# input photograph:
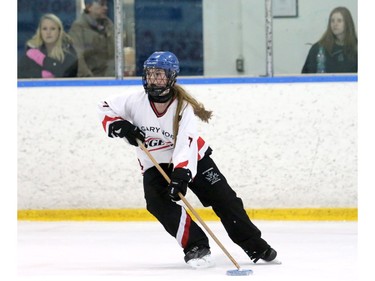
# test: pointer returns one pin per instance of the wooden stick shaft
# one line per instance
(188, 205)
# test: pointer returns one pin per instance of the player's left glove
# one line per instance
(179, 181)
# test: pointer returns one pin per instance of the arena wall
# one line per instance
(281, 146)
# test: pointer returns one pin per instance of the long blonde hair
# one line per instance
(199, 109)
(62, 41)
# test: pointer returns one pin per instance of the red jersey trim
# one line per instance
(161, 113)
(185, 236)
(182, 164)
(200, 143)
(109, 119)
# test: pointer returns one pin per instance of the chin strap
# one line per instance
(157, 98)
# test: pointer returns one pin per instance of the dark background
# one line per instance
(160, 25)
(172, 25)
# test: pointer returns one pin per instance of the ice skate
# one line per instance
(199, 257)
(268, 255)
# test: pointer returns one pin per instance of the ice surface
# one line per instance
(144, 251)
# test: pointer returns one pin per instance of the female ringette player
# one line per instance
(164, 118)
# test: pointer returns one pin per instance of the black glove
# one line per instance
(179, 181)
(125, 129)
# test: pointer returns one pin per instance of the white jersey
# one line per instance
(158, 127)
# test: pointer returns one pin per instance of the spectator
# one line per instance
(93, 35)
(339, 44)
(49, 53)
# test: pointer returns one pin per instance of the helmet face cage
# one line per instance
(156, 85)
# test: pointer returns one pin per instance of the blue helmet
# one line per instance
(164, 60)
(171, 66)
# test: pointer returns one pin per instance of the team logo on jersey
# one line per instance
(153, 144)
(211, 176)
(156, 130)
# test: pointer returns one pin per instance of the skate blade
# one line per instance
(273, 262)
(204, 262)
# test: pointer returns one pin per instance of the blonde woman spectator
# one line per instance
(49, 53)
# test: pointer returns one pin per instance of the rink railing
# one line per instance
(188, 80)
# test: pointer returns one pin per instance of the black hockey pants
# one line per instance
(212, 189)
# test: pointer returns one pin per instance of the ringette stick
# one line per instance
(229, 272)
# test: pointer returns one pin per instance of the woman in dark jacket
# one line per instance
(339, 44)
(49, 53)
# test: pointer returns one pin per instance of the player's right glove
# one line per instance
(125, 129)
